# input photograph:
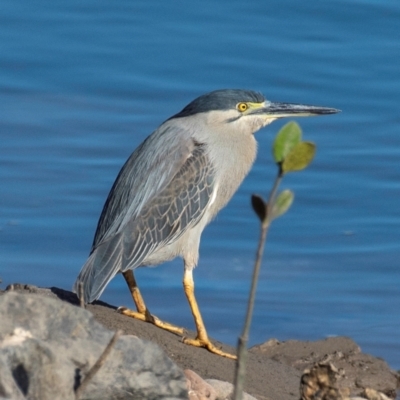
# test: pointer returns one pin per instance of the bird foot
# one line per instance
(206, 343)
(152, 319)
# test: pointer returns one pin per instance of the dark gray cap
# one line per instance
(224, 99)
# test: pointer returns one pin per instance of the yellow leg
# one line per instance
(142, 312)
(202, 339)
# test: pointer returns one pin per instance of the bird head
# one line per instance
(246, 110)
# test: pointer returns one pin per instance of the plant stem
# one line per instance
(81, 297)
(97, 365)
(240, 372)
(272, 195)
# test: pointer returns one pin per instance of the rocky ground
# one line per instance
(274, 368)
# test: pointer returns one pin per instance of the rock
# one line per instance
(198, 388)
(319, 382)
(224, 390)
(47, 347)
(372, 394)
(358, 370)
(31, 369)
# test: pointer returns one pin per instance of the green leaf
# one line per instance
(259, 206)
(282, 203)
(285, 140)
(299, 157)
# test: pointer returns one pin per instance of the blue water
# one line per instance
(83, 83)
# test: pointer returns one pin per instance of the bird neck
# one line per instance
(232, 157)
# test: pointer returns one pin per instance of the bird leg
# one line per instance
(143, 312)
(202, 339)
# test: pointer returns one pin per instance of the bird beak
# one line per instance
(281, 110)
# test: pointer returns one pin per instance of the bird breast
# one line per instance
(232, 161)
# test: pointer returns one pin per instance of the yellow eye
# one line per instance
(242, 107)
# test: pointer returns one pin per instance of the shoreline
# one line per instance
(274, 368)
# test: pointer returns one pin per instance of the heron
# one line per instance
(171, 187)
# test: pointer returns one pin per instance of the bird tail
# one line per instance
(101, 266)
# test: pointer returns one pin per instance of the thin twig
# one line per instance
(240, 372)
(81, 296)
(97, 365)
(272, 195)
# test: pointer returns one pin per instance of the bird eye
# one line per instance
(242, 107)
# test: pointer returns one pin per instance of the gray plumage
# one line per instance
(150, 208)
(176, 181)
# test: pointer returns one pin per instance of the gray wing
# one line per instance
(174, 206)
(148, 170)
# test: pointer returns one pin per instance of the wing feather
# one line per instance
(148, 170)
(133, 225)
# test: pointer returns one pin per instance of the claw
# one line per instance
(148, 317)
(206, 343)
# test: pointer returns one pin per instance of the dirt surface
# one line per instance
(274, 368)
